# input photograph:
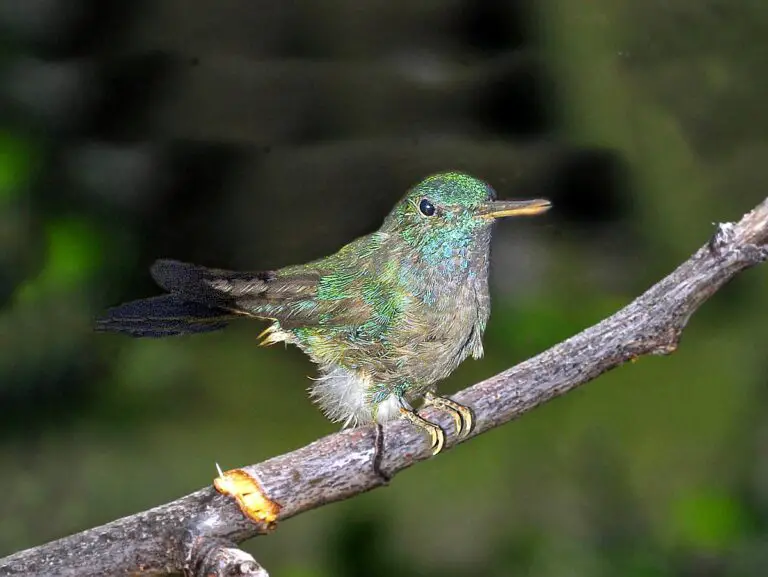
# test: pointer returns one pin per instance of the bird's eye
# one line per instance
(426, 208)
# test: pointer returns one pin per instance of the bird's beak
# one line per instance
(502, 208)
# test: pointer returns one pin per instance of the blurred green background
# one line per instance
(253, 134)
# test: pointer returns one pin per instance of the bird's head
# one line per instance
(446, 214)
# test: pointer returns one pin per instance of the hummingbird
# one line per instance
(385, 318)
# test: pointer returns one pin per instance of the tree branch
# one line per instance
(197, 533)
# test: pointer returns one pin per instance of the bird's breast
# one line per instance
(441, 331)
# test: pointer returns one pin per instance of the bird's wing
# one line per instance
(289, 296)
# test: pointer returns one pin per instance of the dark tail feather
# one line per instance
(162, 316)
(192, 281)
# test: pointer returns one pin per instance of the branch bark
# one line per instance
(197, 534)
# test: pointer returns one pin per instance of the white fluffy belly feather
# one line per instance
(344, 397)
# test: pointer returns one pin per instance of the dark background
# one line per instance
(255, 133)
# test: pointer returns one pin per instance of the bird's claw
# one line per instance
(462, 416)
(462, 419)
(378, 454)
(436, 434)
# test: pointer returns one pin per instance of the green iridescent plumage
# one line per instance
(385, 318)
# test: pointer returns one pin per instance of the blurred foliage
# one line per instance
(15, 165)
(254, 134)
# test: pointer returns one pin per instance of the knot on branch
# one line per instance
(729, 242)
(217, 557)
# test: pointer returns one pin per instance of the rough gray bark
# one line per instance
(197, 534)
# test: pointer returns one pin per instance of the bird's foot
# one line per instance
(462, 416)
(436, 434)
